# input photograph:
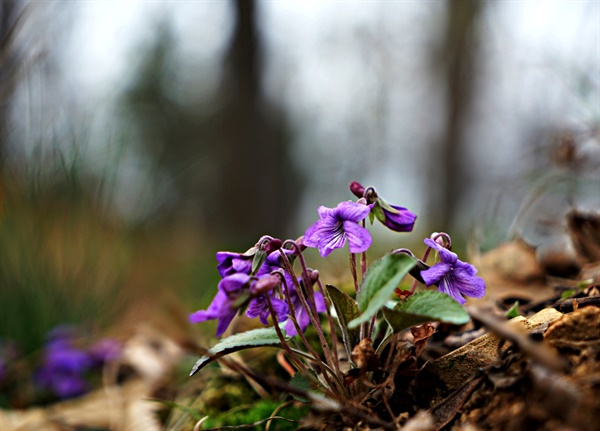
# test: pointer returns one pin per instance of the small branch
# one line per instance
(568, 305)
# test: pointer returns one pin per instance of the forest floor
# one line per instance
(538, 370)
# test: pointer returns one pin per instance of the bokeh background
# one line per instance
(137, 138)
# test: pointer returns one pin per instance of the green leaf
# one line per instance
(424, 307)
(378, 212)
(246, 340)
(568, 293)
(513, 311)
(346, 310)
(259, 258)
(379, 283)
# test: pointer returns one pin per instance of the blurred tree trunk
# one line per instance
(257, 183)
(228, 162)
(450, 165)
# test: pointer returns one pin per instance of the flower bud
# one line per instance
(314, 276)
(265, 284)
(357, 189)
(272, 245)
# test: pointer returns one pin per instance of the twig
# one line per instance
(568, 305)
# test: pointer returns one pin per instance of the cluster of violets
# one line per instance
(66, 368)
(262, 280)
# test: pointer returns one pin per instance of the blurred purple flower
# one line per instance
(338, 225)
(301, 313)
(226, 303)
(453, 276)
(105, 350)
(64, 369)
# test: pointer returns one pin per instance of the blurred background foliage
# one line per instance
(138, 138)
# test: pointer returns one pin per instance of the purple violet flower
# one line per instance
(230, 263)
(226, 303)
(453, 276)
(259, 307)
(398, 220)
(394, 217)
(301, 314)
(63, 369)
(338, 225)
(273, 262)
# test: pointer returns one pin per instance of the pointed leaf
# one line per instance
(379, 283)
(346, 310)
(424, 307)
(246, 340)
(378, 212)
(258, 259)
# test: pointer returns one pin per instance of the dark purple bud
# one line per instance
(272, 245)
(357, 189)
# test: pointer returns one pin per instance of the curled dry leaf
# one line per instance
(363, 355)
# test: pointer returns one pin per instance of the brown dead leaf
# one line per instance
(421, 334)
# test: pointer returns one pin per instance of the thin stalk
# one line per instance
(334, 339)
(300, 333)
(307, 282)
(363, 257)
(297, 362)
(310, 358)
(353, 271)
(316, 324)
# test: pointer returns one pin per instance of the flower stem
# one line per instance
(363, 258)
(297, 362)
(307, 282)
(353, 271)
(316, 324)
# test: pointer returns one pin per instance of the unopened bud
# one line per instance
(357, 189)
(314, 276)
(272, 245)
(265, 284)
